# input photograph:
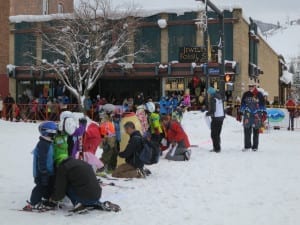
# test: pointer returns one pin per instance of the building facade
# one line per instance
(4, 43)
(40, 7)
(180, 56)
(7, 42)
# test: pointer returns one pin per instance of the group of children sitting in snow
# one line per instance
(65, 162)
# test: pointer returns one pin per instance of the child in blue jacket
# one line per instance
(43, 168)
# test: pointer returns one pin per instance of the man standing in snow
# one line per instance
(254, 110)
(216, 111)
(291, 107)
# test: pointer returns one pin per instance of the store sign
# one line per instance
(197, 54)
(213, 71)
(42, 82)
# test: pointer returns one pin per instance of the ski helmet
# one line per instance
(66, 114)
(48, 129)
(150, 107)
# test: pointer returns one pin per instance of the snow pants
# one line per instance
(41, 191)
(181, 153)
(126, 171)
(75, 199)
(216, 129)
(110, 153)
(291, 121)
(248, 133)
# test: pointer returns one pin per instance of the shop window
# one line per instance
(174, 85)
(45, 7)
(60, 8)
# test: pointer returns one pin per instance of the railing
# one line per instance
(39, 112)
(36, 112)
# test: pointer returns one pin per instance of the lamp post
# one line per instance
(221, 46)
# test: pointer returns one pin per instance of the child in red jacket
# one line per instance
(178, 140)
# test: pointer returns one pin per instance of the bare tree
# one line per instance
(83, 44)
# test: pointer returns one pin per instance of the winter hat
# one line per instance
(211, 91)
(252, 83)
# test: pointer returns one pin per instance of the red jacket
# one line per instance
(175, 133)
(291, 106)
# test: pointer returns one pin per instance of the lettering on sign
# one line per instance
(197, 54)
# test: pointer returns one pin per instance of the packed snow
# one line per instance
(231, 188)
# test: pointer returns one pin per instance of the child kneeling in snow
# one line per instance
(43, 168)
(178, 139)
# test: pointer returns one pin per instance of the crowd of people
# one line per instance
(131, 136)
(65, 161)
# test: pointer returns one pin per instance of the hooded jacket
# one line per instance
(132, 150)
(175, 133)
(78, 176)
(216, 107)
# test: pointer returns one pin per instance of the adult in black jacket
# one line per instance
(216, 111)
(77, 180)
(134, 166)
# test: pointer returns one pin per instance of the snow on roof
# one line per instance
(39, 18)
(146, 8)
(287, 77)
(149, 8)
(285, 41)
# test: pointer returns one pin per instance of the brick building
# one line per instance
(40, 7)
(165, 69)
(24, 7)
(4, 43)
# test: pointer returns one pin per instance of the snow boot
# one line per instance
(79, 208)
(107, 206)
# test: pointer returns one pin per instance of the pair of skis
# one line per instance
(102, 206)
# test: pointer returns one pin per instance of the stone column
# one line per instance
(164, 42)
(240, 52)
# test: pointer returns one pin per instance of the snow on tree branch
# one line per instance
(77, 49)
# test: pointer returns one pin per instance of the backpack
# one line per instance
(150, 152)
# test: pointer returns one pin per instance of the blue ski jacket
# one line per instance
(43, 163)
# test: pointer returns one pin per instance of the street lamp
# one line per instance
(221, 44)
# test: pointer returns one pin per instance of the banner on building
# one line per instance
(280, 118)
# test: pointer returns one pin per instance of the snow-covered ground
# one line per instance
(231, 188)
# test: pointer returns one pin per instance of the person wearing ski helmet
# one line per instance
(154, 122)
(43, 167)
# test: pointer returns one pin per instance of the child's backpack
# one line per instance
(150, 152)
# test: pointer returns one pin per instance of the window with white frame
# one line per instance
(45, 7)
(60, 8)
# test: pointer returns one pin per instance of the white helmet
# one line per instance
(67, 123)
(109, 108)
(66, 114)
(150, 107)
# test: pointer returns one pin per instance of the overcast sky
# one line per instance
(266, 10)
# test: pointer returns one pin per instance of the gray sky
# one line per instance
(268, 10)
